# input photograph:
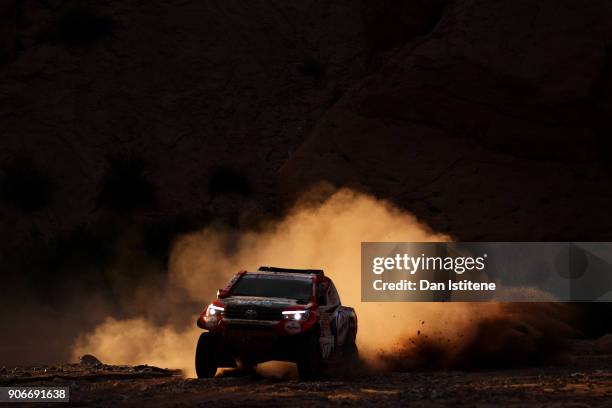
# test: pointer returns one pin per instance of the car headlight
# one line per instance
(296, 315)
(214, 310)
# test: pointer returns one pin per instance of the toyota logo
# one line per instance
(251, 314)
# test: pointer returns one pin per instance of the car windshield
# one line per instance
(273, 286)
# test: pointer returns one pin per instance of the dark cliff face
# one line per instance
(488, 120)
(178, 106)
(494, 125)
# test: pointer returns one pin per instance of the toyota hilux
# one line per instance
(278, 314)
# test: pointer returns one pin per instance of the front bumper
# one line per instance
(257, 340)
(257, 343)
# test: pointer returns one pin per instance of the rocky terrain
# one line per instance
(583, 381)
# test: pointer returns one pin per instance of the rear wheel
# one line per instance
(309, 359)
(350, 350)
(205, 361)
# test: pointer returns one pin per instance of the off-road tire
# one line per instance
(309, 358)
(205, 361)
(350, 353)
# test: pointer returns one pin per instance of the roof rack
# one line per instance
(287, 270)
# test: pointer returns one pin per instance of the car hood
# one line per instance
(260, 301)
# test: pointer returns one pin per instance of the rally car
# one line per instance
(276, 314)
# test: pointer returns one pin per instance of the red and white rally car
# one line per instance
(276, 314)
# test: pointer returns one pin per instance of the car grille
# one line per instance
(241, 328)
(252, 312)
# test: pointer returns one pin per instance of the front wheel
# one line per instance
(309, 359)
(205, 361)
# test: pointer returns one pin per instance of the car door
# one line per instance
(327, 310)
(340, 319)
(333, 323)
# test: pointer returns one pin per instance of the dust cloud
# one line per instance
(133, 341)
(326, 235)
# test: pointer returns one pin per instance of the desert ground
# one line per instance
(583, 378)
